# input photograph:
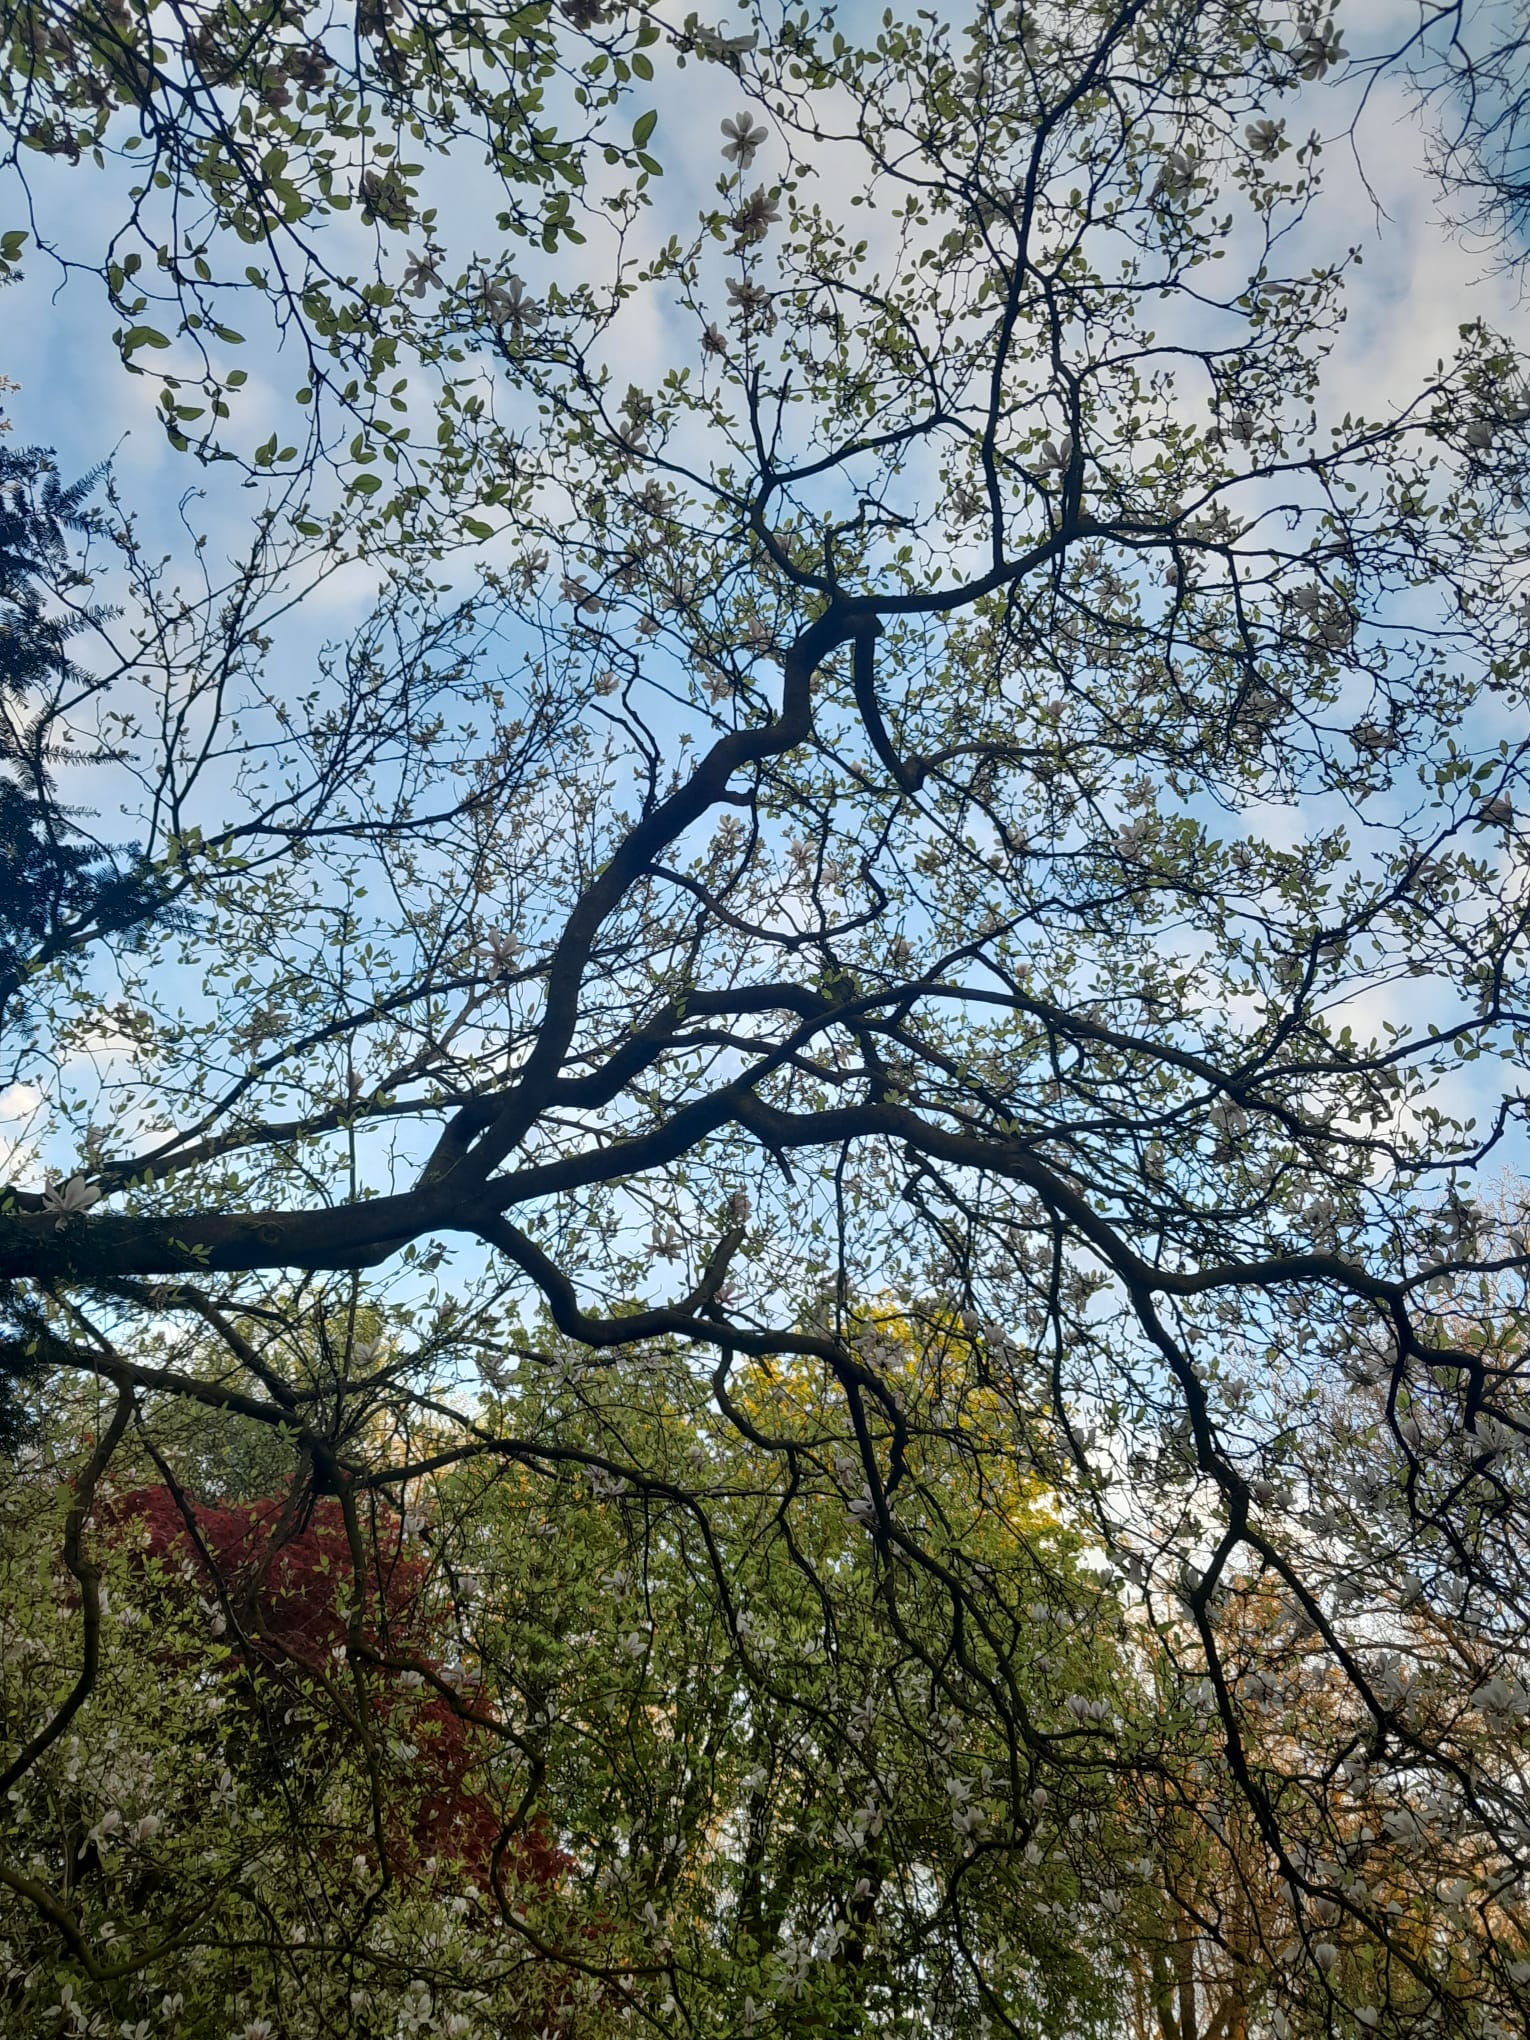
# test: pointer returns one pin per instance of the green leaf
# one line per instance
(643, 127)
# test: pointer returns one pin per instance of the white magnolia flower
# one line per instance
(70, 1199)
(867, 1820)
(69, 2008)
(1336, 626)
(757, 215)
(666, 1243)
(1317, 49)
(744, 139)
(1325, 1955)
(265, 1022)
(1264, 138)
(1478, 434)
(712, 42)
(105, 1827)
(422, 272)
(1217, 527)
(500, 949)
(1056, 455)
(1393, 1683)
(654, 500)
(1499, 810)
(1492, 1435)
(1176, 174)
(1228, 1117)
(585, 601)
(506, 304)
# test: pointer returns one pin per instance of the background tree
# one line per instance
(539, 1732)
(921, 800)
(57, 885)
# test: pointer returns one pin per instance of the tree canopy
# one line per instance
(917, 865)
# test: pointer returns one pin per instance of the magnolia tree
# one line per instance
(917, 780)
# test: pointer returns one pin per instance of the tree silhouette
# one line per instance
(964, 800)
(56, 884)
